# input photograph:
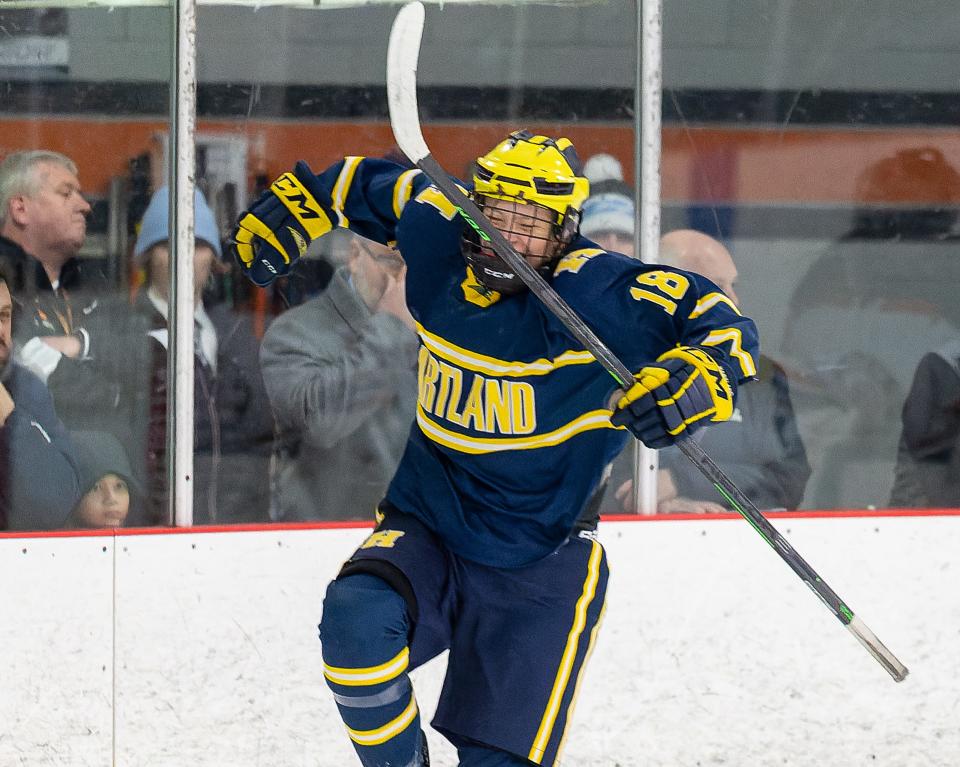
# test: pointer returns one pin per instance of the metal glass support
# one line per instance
(647, 123)
(181, 175)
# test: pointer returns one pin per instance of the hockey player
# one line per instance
(480, 547)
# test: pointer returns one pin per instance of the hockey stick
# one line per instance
(402, 56)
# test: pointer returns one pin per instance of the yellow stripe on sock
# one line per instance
(357, 677)
(389, 730)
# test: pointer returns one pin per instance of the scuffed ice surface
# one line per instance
(713, 653)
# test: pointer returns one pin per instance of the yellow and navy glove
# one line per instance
(274, 233)
(678, 395)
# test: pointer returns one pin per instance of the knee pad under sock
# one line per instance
(365, 658)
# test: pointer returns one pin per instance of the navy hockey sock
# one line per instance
(365, 658)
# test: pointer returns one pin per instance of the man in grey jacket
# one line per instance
(340, 371)
(759, 447)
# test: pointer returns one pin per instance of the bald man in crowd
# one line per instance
(759, 447)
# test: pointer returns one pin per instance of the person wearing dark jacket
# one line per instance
(38, 472)
(927, 472)
(67, 328)
(233, 424)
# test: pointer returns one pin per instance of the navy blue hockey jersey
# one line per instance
(513, 425)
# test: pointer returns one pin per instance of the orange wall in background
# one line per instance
(700, 164)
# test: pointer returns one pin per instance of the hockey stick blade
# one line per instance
(403, 51)
(402, 57)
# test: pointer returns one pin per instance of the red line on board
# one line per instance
(358, 524)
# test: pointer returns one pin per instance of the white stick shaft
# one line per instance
(402, 55)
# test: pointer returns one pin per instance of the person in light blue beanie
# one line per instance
(154, 225)
(233, 424)
(608, 219)
(152, 248)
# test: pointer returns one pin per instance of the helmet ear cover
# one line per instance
(570, 227)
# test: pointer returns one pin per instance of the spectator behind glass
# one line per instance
(759, 447)
(341, 374)
(38, 472)
(609, 214)
(233, 427)
(67, 330)
(927, 472)
(110, 491)
(868, 308)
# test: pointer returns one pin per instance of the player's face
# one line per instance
(106, 504)
(57, 213)
(528, 228)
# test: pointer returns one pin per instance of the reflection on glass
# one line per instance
(822, 176)
(808, 152)
(74, 178)
(342, 386)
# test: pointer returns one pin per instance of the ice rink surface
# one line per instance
(712, 653)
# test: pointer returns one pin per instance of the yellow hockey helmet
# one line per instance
(534, 169)
(525, 169)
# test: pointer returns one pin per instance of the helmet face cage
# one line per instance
(532, 174)
(541, 252)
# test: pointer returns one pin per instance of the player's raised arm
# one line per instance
(694, 383)
(365, 195)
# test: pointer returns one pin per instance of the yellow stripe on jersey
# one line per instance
(573, 262)
(464, 443)
(342, 187)
(734, 337)
(438, 200)
(576, 689)
(359, 677)
(562, 678)
(402, 189)
(481, 363)
(709, 301)
(389, 730)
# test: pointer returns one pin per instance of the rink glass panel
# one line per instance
(314, 88)
(820, 146)
(777, 122)
(92, 84)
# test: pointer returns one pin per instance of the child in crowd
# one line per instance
(106, 481)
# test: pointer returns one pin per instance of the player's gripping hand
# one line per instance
(684, 390)
(274, 233)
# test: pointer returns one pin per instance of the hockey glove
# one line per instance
(678, 395)
(274, 233)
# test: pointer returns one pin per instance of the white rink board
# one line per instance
(712, 652)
